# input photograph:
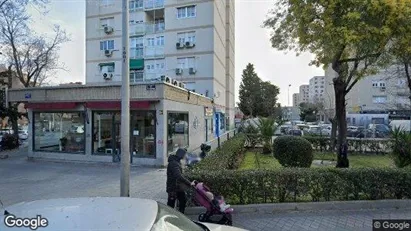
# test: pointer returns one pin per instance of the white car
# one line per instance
(100, 213)
(23, 134)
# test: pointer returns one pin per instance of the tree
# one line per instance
(308, 112)
(250, 92)
(31, 56)
(350, 35)
(269, 93)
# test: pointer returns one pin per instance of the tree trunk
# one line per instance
(339, 89)
(333, 134)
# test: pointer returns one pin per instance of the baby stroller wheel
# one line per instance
(229, 220)
(202, 217)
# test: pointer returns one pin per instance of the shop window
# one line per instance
(59, 132)
(177, 127)
(107, 133)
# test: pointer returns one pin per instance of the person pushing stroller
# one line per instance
(177, 184)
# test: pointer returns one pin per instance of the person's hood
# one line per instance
(172, 158)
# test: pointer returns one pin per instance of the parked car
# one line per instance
(295, 132)
(106, 213)
(379, 130)
(313, 130)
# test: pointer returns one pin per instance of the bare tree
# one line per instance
(33, 57)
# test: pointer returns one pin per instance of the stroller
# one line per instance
(223, 213)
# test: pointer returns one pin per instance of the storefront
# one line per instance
(83, 123)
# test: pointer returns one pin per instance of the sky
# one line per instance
(252, 45)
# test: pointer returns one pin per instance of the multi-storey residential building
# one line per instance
(380, 93)
(191, 42)
(295, 99)
(303, 94)
(316, 89)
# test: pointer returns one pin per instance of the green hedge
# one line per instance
(367, 145)
(302, 184)
(228, 156)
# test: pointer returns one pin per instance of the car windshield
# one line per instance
(169, 219)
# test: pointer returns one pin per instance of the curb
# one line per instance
(313, 206)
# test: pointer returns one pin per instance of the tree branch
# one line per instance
(359, 58)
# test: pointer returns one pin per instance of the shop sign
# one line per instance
(208, 112)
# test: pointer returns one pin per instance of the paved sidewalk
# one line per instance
(22, 180)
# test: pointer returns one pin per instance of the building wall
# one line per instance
(303, 93)
(316, 89)
(295, 99)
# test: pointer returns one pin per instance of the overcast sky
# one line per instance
(252, 45)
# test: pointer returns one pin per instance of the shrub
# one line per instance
(252, 136)
(307, 184)
(228, 156)
(9, 141)
(401, 148)
(267, 127)
(293, 151)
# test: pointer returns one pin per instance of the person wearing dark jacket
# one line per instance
(176, 182)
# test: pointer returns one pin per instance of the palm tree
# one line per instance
(267, 127)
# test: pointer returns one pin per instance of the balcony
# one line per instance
(136, 53)
(153, 76)
(152, 28)
(154, 52)
(137, 29)
(153, 4)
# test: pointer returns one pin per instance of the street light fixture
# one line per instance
(289, 85)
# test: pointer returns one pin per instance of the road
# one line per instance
(21, 180)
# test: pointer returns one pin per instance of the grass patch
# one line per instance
(356, 161)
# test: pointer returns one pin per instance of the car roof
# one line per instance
(92, 213)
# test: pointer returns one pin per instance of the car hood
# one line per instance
(214, 227)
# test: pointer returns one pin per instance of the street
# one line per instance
(23, 180)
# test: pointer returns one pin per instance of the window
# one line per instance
(136, 76)
(150, 42)
(159, 25)
(136, 47)
(186, 12)
(185, 63)
(382, 84)
(379, 99)
(136, 4)
(157, 66)
(107, 45)
(105, 3)
(107, 130)
(186, 37)
(107, 68)
(107, 22)
(177, 127)
(160, 41)
(59, 132)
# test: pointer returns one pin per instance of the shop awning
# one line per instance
(117, 104)
(56, 105)
(136, 64)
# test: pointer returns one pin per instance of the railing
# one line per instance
(138, 29)
(154, 52)
(136, 53)
(152, 28)
(153, 4)
(153, 76)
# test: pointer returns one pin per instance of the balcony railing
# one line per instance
(152, 28)
(154, 52)
(138, 29)
(153, 4)
(156, 76)
(136, 53)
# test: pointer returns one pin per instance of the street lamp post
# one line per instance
(288, 94)
(125, 107)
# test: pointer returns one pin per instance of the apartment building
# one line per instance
(303, 94)
(189, 43)
(316, 89)
(295, 99)
(384, 92)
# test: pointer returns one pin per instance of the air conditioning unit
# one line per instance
(108, 53)
(175, 82)
(190, 44)
(179, 71)
(108, 76)
(182, 85)
(192, 71)
(163, 78)
(108, 29)
(179, 45)
(382, 88)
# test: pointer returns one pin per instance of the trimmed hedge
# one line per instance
(304, 184)
(228, 156)
(293, 151)
(364, 145)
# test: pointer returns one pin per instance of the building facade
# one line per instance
(304, 93)
(295, 99)
(189, 42)
(316, 89)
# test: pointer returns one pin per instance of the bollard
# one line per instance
(218, 140)
(228, 135)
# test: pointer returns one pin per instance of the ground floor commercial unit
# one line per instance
(83, 123)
